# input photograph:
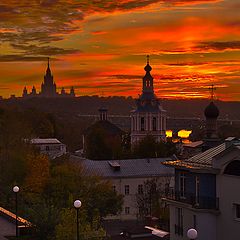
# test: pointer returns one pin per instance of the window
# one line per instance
(233, 168)
(194, 221)
(179, 222)
(182, 185)
(126, 189)
(167, 188)
(140, 189)
(127, 210)
(197, 190)
(114, 188)
(154, 124)
(142, 124)
(47, 148)
(237, 211)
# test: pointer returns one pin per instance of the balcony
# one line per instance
(200, 202)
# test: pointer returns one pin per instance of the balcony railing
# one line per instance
(200, 202)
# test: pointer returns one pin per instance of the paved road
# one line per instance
(6, 228)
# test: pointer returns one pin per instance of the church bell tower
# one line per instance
(148, 118)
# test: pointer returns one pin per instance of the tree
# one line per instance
(66, 229)
(149, 200)
(148, 147)
(38, 172)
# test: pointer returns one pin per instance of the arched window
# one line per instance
(154, 124)
(233, 168)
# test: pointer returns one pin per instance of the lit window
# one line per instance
(126, 189)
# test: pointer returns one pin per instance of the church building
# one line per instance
(148, 118)
(48, 88)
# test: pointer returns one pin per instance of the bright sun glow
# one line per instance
(184, 133)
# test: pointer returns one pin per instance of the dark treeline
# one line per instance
(49, 188)
(123, 105)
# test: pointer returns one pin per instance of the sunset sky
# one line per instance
(100, 46)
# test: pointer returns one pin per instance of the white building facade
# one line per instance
(51, 147)
(128, 178)
(206, 195)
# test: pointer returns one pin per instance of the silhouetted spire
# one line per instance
(148, 79)
(48, 72)
(25, 93)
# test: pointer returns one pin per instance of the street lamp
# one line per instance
(77, 204)
(16, 190)
(192, 233)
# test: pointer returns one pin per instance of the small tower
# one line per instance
(103, 114)
(63, 92)
(34, 92)
(25, 92)
(72, 92)
(211, 113)
(148, 118)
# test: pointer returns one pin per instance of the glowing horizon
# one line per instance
(100, 47)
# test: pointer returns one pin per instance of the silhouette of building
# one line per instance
(148, 118)
(102, 139)
(48, 88)
(211, 112)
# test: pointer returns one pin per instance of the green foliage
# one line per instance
(149, 201)
(67, 227)
(149, 148)
(48, 189)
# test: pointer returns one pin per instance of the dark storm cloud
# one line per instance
(219, 46)
(44, 50)
(47, 21)
(20, 58)
(126, 76)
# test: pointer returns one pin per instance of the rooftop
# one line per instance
(202, 160)
(126, 168)
(44, 141)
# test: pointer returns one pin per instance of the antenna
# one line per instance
(147, 59)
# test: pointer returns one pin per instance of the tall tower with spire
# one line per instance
(148, 118)
(48, 88)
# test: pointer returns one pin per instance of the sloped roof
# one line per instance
(128, 168)
(44, 141)
(199, 161)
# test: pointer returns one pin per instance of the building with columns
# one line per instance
(148, 118)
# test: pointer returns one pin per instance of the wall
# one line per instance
(205, 223)
(228, 192)
(130, 200)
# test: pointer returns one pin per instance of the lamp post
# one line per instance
(77, 204)
(192, 233)
(16, 190)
